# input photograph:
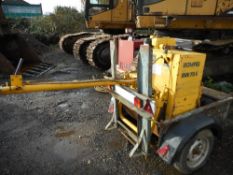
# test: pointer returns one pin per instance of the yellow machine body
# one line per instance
(193, 14)
(176, 82)
(176, 79)
(121, 16)
(191, 7)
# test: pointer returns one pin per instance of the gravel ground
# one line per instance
(63, 133)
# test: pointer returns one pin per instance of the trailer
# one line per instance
(162, 106)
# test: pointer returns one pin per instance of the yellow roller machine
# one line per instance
(165, 108)
(170, 111)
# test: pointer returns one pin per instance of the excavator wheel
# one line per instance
(83, 52)
(66, 42)
(101, 56)
(81, 46)
(6, 65)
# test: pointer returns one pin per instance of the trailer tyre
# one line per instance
(195, 153)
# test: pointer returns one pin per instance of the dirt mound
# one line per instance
(6, 66)
(38, 46)
(14, 46)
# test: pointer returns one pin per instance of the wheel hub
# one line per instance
(198, 152)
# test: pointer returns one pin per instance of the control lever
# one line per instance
(19, 66)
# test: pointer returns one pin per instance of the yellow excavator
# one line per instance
(195, 19)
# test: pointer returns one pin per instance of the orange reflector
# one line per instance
(148, 108)
(137, 102)
(163, 150)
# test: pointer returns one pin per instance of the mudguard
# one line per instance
(179, 133)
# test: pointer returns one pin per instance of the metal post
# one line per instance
(145, 70)
(114, 59)
(114, 56)
(145, 88)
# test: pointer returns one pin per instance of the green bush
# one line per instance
(49, 28)
(221, 86)
(63, 20)
(20, 24)
(42, 25)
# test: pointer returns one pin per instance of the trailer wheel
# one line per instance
(195, 153)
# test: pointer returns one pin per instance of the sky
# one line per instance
(48, 5)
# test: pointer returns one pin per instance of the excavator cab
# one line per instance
(111, 15)
(95, 7)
